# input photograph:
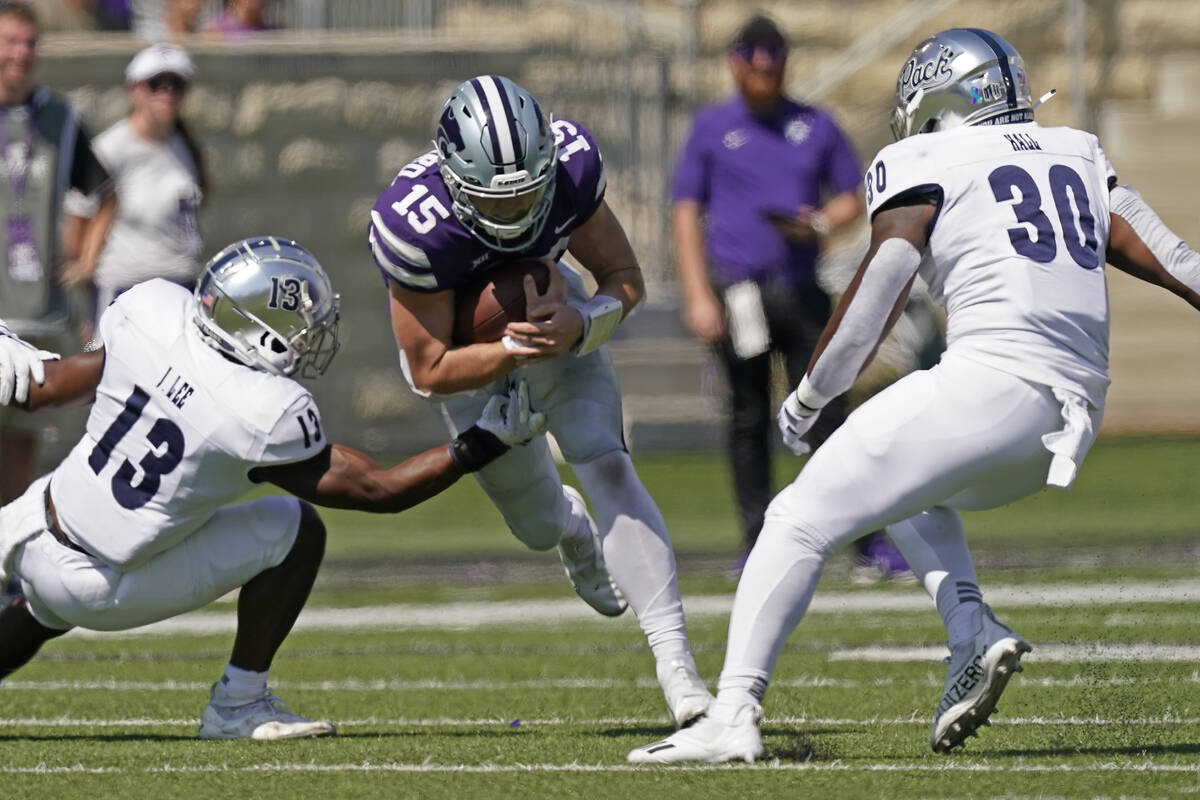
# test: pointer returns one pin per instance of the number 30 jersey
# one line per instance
(174, 431)
(1016, 254)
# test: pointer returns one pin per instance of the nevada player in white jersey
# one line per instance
(1010, 225)
(194, 405)
(507, 183)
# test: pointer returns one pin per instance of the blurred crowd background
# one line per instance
(306, 109)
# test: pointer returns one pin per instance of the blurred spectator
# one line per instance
(112, 15)
(242, 16)
(158, 170)
(761, 181)
(182, 18)
(45, 150)
(162, 20)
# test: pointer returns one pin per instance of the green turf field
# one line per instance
(470, 670)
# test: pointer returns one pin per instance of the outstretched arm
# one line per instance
(341, 477)
(1141, 244)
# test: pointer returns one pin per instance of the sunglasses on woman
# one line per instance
(167, 83)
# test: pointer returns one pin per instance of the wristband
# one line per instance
(808, 397)
(601, 316)
(475, 448)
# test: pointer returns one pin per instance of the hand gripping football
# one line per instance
(484, 306)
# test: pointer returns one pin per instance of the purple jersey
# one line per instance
(744, 168)
(419, 243)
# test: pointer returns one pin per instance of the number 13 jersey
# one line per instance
(174, 431)
(1016, 251)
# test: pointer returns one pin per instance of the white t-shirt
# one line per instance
(1016, 254)
(156, 233)
(174, 432)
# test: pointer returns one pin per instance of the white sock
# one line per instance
(638, 554)
(241, 684)
(935, 546)
(775, 590)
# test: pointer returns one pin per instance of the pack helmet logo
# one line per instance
(922, 72)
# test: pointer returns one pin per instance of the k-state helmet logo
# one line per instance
(927, 73)
(449, 135)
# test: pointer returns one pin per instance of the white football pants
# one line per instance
(958, 436)
(66, 588)
(582, 402)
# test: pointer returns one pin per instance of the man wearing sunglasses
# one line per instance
(761, 181)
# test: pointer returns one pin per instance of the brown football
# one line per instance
(484, 306)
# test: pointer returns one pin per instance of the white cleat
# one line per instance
(979, 670)
(708, 740)
(687, 696)
(264, 719)
(583, 559)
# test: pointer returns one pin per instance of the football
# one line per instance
(496, 297)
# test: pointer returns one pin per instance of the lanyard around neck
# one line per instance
(18, 178)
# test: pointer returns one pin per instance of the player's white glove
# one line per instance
(509, 418)
(795, 420)
(19, 361)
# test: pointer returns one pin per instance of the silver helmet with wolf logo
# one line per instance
(266, 302)
(498, 158)
(961, 76)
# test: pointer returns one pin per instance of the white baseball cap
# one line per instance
(157, 59)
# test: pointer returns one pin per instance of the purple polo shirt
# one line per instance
(741, 167)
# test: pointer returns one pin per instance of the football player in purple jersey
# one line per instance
(506, 183)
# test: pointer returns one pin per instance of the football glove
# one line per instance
(19, 361)
(795, 420)
(509, 418)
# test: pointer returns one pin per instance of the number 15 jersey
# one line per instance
(1016, 253)
(174, 431)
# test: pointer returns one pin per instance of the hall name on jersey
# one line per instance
(1022, 142)
(177, 390)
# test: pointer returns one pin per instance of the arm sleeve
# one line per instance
(1179, 260)
(858, 333)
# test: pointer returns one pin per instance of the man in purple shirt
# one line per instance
(761, 181)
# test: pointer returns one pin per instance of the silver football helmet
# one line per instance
(962, 76)
(267, 303)
(498, 157)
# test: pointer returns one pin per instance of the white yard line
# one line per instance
(588, 722)
(940, 766)
(571, 611)
(557, 684)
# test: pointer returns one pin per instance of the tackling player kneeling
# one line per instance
(194, 405)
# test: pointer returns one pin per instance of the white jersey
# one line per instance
(1016, 254)
(174, 432)
(156, 232)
